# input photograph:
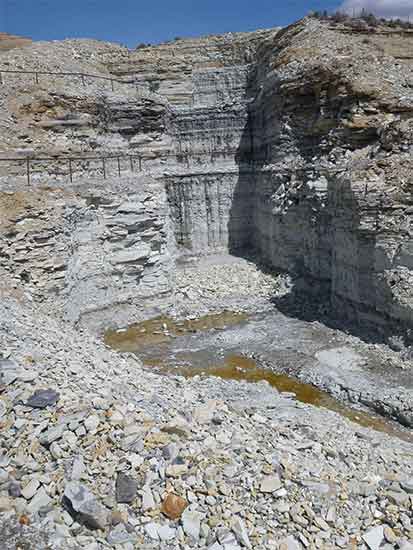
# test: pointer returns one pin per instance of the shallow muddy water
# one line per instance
(137, 337)
(182, 347)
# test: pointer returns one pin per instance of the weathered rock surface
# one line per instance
(265, 472)
(258, 127)
(94, 250)
(83, 505)
(295, 144)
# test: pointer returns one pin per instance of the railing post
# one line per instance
(1, 78)
(70, 171)
(112, 84)
(104, 168)
(83, 79)
(131, 163)
(140, 164)
(28, 170)
(119, 166)
(36, 77)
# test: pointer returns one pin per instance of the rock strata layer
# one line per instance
(294, 144)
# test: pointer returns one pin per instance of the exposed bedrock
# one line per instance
(347, 234)
(204, 212)
(309, 168)
(99, 253)
(295, 145)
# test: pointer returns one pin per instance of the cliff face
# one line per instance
(303, 156)
(294, 145)
(333, 189)
(99, 253)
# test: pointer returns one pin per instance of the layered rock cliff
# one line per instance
(99, 253)
(294, 145)
(332, 132)
(309, 167)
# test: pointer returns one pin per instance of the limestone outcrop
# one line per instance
(294, 145)
(98, 252)
(333, 198)
(309, 167)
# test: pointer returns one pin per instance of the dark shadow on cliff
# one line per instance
(241, 222)
(348, 299)
(311, 298)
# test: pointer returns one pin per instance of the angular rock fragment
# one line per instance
(126, 488)
(52, 434)
(374, 537)
(148, 502)
(41, 399)
(191, 523)
(84, 507)
(41, 500)
(241, 533)
(78, 467)
(173, 506)
(30, 489)
(269, 484)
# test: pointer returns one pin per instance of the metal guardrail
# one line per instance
(143, 92)
(134, 163)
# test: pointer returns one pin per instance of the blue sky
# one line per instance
(133, 21)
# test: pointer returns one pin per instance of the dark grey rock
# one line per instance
(126, 488)
(84, 507)
(42, 399)
(14, 489)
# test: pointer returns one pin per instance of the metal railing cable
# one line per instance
(133, 163)
(84, 77)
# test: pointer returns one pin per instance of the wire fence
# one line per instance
(85, 79)
(129, 163)
(109, 166)
(105, 165)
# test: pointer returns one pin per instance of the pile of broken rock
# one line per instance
(98, 453)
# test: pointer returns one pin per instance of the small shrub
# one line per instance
(142, 45)
(363, 20)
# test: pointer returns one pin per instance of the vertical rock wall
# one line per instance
(210, 192)
(261, 152)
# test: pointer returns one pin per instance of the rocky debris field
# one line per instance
(220, 281)
(97, 452)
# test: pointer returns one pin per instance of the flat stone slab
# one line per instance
(41, 399)
(126, 489)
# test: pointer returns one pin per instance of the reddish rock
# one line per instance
(173, 506)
